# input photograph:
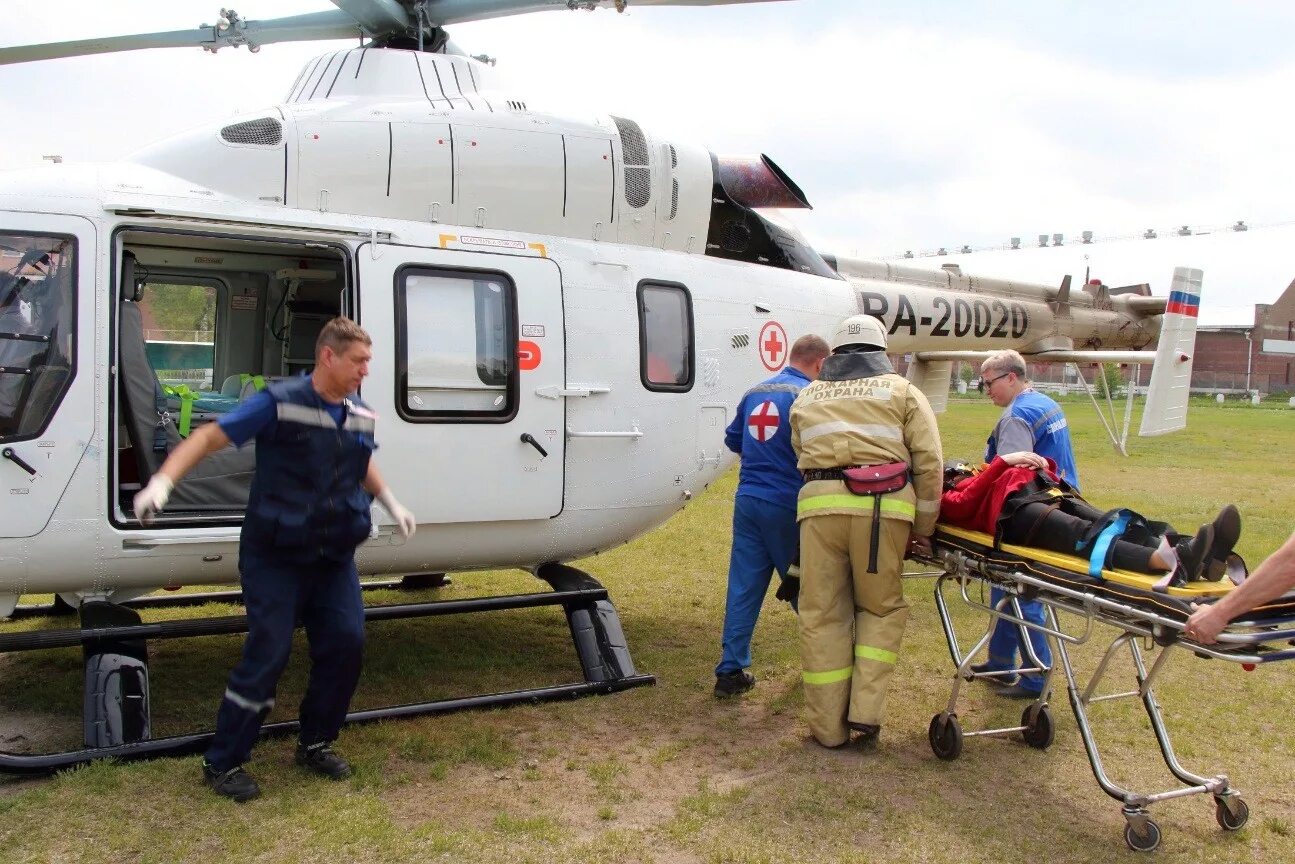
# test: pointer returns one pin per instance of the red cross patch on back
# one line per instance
(763, 422)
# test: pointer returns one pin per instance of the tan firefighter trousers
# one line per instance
(851, 621)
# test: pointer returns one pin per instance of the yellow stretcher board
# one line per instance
(1077, 565)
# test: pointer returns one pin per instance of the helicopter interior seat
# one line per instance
(222, 481)
(242, 385)
(25, 401)
(47, 381)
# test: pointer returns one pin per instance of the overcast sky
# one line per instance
(908, 124)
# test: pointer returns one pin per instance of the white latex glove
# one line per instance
(152, 498)
(405, 522)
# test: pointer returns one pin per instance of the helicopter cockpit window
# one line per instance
(665, 336)
(458, 345)
(37, 316)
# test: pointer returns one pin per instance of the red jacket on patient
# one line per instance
(976, 502)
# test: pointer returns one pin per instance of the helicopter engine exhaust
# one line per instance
(757, 181)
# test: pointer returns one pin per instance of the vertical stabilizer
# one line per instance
(1171, 374)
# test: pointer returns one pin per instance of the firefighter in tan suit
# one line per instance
(858, 413)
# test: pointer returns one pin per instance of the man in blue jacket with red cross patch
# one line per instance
(307, 512)
(765, 534)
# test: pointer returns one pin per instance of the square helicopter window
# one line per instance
(666, 345)
(37, 335)
(456, 347)
(179, 322)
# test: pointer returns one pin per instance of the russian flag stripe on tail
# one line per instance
(1171, 374)
(1183, 303)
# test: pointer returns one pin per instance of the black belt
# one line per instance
(839, 474)
(826, 473)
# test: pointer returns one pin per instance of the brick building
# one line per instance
(1258, 356)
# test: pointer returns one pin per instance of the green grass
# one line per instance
(669, 774)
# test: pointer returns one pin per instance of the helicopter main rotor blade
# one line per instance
(443, 12)
(351, 19)
(378, 16)
(334, 24)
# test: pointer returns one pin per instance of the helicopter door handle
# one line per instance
(528, 438)
(17, 460)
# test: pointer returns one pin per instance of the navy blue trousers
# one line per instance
(765, 538)
(1006, 641)
(324, 596)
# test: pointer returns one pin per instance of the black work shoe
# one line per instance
(733, 684)
(866, 734)
(1003, 678)
(1016, 691)
(321, 759)
(235, 784)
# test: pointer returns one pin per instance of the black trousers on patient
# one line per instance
(1034, 524)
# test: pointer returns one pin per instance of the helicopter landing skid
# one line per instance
(117, 716)
(60, 607)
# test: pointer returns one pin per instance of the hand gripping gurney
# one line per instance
(1122, 599)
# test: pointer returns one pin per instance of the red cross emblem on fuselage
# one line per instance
(763, 422)
(772, 345)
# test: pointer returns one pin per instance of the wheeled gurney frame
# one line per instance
(1239, 644)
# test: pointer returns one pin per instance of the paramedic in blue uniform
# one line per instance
(1031, 422)
(307, 513)
(765, 535)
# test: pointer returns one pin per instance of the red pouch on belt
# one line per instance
(876, 479)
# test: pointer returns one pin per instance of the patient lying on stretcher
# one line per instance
(1019, 499)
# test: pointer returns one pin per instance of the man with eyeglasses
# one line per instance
(1031, 422)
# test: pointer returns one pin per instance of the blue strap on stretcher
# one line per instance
(1103, 543)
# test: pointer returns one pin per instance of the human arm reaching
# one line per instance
(1271, 579)
(192, 450)
(378, 488)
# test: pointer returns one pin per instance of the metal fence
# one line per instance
(179, 336)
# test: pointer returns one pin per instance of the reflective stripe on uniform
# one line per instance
(853, 502)
(773, 388)
(305, 415)
(881, 655)
(247, 704)
(1048, 417)
(867, 430)
(356, 423)
(833, 677)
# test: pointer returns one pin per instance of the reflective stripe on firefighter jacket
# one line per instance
(874, 420)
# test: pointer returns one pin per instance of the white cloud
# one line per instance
(907, 127)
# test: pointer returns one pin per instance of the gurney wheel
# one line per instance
(945, 736)
(1226, 820)
(1039, 729)
(1142, 842)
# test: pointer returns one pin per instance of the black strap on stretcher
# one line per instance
(1098, 541)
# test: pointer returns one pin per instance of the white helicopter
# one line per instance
(564, 312)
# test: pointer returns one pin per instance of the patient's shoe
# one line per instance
(1227, 531)
(1191, 555)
